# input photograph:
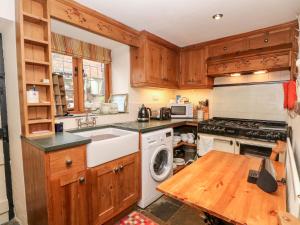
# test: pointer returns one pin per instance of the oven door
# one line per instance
(221, 143)
(254, 148)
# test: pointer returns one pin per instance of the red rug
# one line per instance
(136, 218)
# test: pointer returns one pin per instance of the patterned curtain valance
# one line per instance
(69, 46)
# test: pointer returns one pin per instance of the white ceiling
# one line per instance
(186, 22)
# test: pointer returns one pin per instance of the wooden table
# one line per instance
(217, 184)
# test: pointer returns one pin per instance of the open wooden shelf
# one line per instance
(37, 83)
(35, 62)
(39, 121)
(33, 18)
(185, 144)
(34, 57)
(39, 104)
(34, 41)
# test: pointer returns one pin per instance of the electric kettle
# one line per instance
(144, 114)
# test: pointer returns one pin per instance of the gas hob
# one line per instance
(254, 129)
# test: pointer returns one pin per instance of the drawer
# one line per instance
(68, 160)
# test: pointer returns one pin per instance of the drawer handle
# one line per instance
(81, 180)
(116, 170)
(266, 40)
(69, 162)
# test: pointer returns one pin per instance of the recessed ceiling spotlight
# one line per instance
(217, 16)
(260, 72)
(235, 74)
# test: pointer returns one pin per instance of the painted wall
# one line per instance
(7, 28)
(295, 124)
(262, 101)
(7, 10)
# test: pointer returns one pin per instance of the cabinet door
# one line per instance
(103, 196)
(269, 39)
(193, 68)
(128, 181)
(170, 67)
(228, 47)
(68, 200)
(154, 64)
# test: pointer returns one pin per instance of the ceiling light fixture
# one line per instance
(217, 16)
(260, 72)
(235, 74)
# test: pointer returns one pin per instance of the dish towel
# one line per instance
(206, 144)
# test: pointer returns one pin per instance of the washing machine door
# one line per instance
(161, 163)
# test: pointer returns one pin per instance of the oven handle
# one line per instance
(230, 141)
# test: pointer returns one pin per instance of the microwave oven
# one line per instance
(181, 110)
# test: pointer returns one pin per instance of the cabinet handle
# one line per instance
(225, 48)
(266, 40)
(116, 170)
(237, 143)
(82, 180)
(231, 142)
(121, 168)
(69, 162)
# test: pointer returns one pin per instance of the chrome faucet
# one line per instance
(89, 121)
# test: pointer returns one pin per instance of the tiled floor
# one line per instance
(166, 211)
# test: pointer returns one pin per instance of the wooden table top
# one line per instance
(217, 184)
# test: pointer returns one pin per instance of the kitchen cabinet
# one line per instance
(171, 66)
(68, 199)
(61, 190)
(193, 72)
(270, 38)
(273, 60)
(55, 185)
(227, 47)
(155, 63)
(114, 187)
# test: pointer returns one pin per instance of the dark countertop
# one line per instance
(58, 141)
(70, 139)
(152, 125)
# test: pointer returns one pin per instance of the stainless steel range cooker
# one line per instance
(244, 136)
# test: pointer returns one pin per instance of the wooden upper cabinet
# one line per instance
(193, 69)
(274, 60)
(228, 47)
(170, 67)
(154, 62)
(270, 38)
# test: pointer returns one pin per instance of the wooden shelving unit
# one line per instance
(34, 65)
(184, 144)
(59, 94)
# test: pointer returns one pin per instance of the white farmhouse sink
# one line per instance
(109, 144)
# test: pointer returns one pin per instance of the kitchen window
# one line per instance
(86, 81)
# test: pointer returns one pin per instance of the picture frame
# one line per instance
(121, 100)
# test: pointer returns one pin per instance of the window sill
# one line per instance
(90, 115)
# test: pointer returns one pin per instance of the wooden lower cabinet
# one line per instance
(68, 199)
(61, 190)
(114, 187)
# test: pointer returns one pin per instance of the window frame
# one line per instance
(78, 83)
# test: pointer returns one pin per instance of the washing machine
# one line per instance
(157, 163)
